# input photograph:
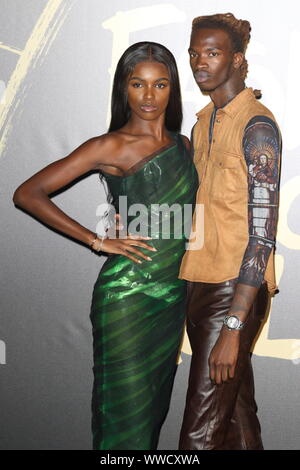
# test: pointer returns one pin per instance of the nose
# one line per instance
(148, 92)
(201, 62)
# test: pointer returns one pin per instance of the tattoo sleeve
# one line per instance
(262, 148)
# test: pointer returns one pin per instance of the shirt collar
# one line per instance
(234, 106)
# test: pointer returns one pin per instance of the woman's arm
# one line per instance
(33, 194)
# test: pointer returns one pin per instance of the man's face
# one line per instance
(211, 58)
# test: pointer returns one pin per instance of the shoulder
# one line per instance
(110, 139)
(111, 142)
(207, 110)
(101, 150)
(262, 125)
(186, 142)
(256, 108)
(98, 142)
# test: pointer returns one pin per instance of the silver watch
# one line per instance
(233, 323)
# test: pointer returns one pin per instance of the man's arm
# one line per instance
(262, 148)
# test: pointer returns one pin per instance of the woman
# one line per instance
(137, 309)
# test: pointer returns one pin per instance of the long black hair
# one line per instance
(144, 52)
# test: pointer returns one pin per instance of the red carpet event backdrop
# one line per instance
(57, 62)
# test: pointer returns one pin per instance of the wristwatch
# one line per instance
(233, 323)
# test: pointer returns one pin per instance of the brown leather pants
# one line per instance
(220, 417)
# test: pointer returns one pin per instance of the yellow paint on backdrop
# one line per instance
(36, 48)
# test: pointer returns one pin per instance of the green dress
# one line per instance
(137, 310)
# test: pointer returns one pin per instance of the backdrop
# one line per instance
(57, 60)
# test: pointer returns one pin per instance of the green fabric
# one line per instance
(137, 312)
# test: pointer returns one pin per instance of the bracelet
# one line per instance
(103, 237)
(92, 244)
(97, 238)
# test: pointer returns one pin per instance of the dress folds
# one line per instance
(138, 310)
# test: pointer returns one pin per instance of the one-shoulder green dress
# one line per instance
(138, 310)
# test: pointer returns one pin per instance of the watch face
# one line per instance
(232, 322)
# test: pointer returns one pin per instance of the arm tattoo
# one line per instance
(262, 148)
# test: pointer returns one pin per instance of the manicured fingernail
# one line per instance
(154, 249)
(148, 258)
(139, 261)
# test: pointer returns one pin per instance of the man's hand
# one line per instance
(223, 357)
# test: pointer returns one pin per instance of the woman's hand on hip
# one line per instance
(126, 247)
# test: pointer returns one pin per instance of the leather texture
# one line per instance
(220, 417)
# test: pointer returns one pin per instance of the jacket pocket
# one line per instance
(227, 179)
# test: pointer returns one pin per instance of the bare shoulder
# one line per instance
(88, 156)
(186, 142)
(103, 149)
(106, 144)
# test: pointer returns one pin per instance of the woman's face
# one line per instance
(148, 90)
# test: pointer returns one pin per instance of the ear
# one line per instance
(238, 58)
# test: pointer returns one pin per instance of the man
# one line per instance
(237, 154)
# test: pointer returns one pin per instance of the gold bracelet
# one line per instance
(102, 240)
(92, 244)
(97, 238)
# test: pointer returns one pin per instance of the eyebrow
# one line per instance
(190, 49)
(157, 80)
(215, 47)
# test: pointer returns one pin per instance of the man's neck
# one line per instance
(221, 97)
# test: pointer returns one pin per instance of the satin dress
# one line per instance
(138, 310)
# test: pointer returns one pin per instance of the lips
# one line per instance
(148, 108)
(201, 76)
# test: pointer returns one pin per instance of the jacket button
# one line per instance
(218, 121)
